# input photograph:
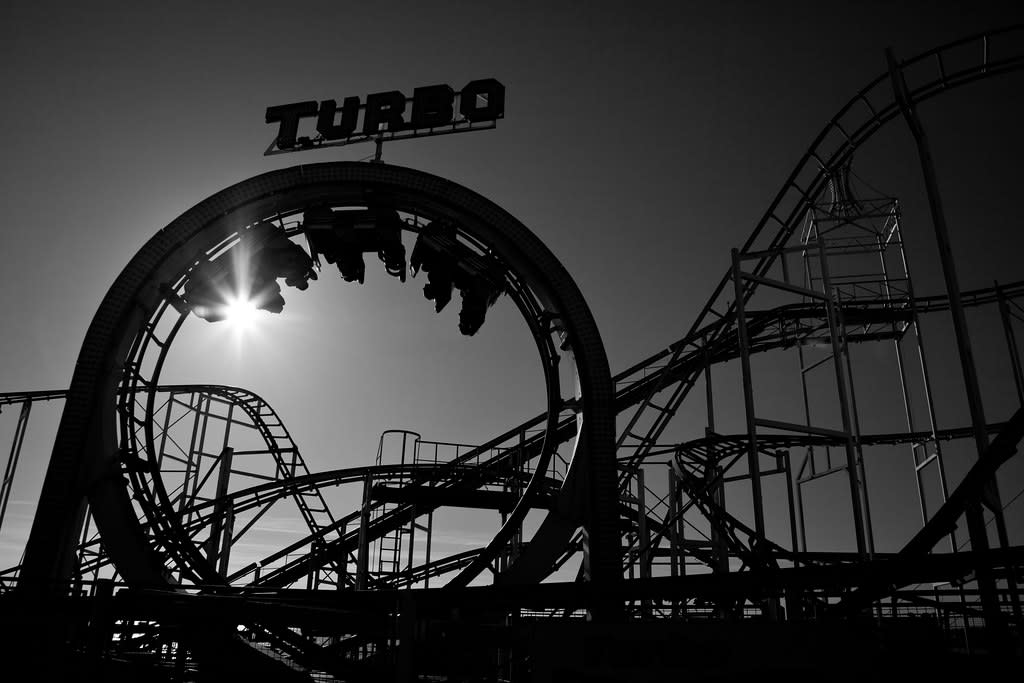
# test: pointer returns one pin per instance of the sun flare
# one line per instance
(241, 314)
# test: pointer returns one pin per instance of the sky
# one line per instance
(641, 142)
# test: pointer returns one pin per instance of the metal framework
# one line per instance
(709, 530)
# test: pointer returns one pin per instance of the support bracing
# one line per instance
(990, 495)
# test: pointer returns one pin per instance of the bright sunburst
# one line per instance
(241, 314)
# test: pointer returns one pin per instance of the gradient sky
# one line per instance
(641, 142)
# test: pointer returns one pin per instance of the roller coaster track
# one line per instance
(670, 374)
(257, 497)
(712, 336)
(773, 329)
(854, 124)
(293, 480)
(288, 462)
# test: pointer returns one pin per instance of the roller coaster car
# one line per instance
(449, 263)
(432, 255)
(342, 237)
(203, 291)
(274, 256)
(212, 284)
(250, 269)
(477, 296)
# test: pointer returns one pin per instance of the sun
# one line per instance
(242, 314)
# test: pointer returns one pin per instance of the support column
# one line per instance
(974, 514)
(753, 464)
(363, 553)
(1011, 344)
(856, 493)
(220, 508)
(224, 557)
(643, 540)
(341, 576)
(676, 537)
(12, 459)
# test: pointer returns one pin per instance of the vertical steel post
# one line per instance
(808, 460)
(363, 553)
(718, 494)
(643, 540)
(915, 324)
(197, 478)
(861, 471)
(223, 479)
(517, 537)
(430, 535)
(905, 392)
(12, 460)
(190, 463)
(220, 507)
(675, 556)
(342, 573)
(794, 599)
(503, 559)
(808, 282)
(676, 529)
(631, 565)
(974, 514)
(753, 464)
(799, 495)
(313, 577)
(679, 527)
(719, 540)
(922, 501)
(844, 406)
(790, 483)
(224, 556)
(1011, 343)
(412, 538)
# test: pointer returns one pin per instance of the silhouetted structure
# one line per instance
(676, 567)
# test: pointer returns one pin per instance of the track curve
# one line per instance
(86, 446)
